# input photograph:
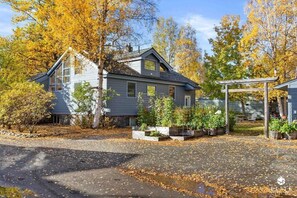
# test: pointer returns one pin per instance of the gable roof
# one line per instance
(284, 86)
(141, 54)
(120, 68)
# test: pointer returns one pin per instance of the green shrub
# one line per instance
(143, 127)
(155, 134)
(83, 97)
(287, 128)
(275, 124)
(197, 119)
(24, 105)
(182, 116)
(168, 112)
(215, 121)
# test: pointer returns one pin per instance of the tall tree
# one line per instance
(89, 25)
(188, 56)
(12, 67)
(270, 40)
(164, 38)
(41, 49)
(226, 61)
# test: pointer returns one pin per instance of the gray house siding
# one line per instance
(292, 102)
(124, 105)
(117, 78)
(144, 71)
(64, 101)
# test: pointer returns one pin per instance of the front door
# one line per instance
(187, 101)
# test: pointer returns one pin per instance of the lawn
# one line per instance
(247, 128)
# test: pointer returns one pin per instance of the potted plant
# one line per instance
(275, 126)
(213, 124)
(286, 129)
(289, 131)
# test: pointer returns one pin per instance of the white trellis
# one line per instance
(265, 81)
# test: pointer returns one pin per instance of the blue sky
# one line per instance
(201, 14)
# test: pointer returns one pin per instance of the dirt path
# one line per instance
(236, 166)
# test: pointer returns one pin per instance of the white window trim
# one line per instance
(151, 86)
(174, 91)
(127, 89)
(185, 101)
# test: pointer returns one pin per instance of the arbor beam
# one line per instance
(248, 81)
(227, 109)
(266, 111)
(244, 90)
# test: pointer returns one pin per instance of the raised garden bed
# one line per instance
(155, 138)
(166, 130)
(181, 137)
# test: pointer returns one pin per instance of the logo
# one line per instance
(281, 181)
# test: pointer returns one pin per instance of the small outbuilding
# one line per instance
(291, 88)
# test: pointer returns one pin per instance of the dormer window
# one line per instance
(150, 65)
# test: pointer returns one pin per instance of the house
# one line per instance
(291, 88)
(133, 72)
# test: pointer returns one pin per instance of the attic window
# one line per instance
(77, 66)
(150, 65)
(60, 76)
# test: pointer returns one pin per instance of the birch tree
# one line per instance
(270, 40)
(164, 38)
(188, 56)
(90, 25)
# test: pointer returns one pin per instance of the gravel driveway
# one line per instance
(88, 167)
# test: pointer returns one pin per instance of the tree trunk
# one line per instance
(101, 63)
(242, 106)
(285, 107)
(280, 106)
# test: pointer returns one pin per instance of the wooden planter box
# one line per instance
(221, 131)
(155, 138)
(139, 135)
(195, 133)
(166, 130)
(212, 132)
(275, 135)
(290, 136)
(181, 138)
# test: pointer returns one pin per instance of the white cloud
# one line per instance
(204, 27)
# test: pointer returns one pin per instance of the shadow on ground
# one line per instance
(29, 167)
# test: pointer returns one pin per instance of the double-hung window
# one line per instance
(172, 91)
(151, 90)
(131, 89)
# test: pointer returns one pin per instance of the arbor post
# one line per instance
(266, 111)
(227, 109)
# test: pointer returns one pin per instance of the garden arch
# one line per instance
(265, 81)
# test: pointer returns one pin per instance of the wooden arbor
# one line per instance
(226, 83)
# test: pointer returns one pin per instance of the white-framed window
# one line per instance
(150, 65)
(60, 76)
(187, 101)
(78, 66)
(151, 90)
(131, 89)
(171, 91)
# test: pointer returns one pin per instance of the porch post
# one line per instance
(266, 111)
(227, 109)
